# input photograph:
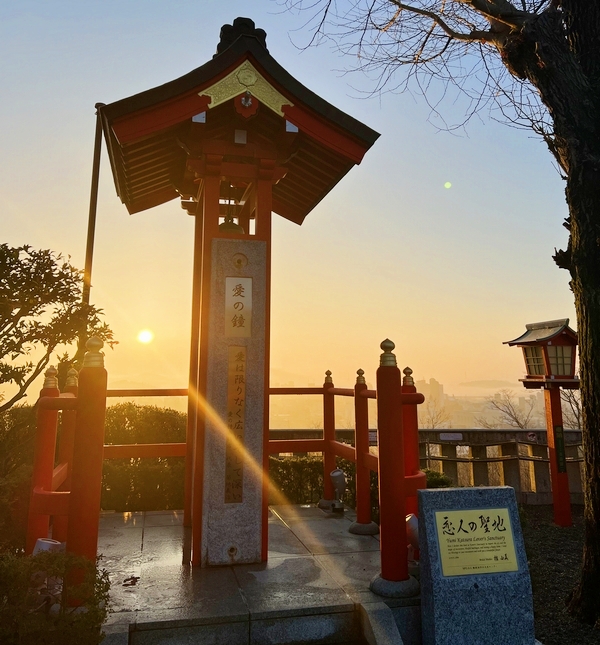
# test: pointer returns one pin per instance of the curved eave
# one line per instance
(184, 91)
(141, 132)
(542, 335)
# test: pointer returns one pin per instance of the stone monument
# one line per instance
(233, 456)
(475, 585)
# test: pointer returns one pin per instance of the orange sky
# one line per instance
(447, 273)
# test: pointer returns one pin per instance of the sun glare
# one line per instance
(145, 336)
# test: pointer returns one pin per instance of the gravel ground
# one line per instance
(554, 556)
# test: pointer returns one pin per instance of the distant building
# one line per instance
(433, 391)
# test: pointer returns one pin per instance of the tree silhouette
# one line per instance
(40, 313)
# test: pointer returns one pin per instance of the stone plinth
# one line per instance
(475, 585)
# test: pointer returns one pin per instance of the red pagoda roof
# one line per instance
(151, 135)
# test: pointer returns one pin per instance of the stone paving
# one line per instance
(316, 572)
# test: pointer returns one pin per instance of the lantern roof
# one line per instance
(149, 135)
(543, 332)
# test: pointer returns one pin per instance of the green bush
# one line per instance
(435, 479)
(295, 480)
(149, 484)
(17, 434)
(36, 600)
(158, 484)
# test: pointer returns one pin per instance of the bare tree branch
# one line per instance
(473, 36)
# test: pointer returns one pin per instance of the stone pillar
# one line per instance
(423, 459)
(495, 468)
(543, 486)
(481, 475)
(574, 470)
(512, 474)
(235, 393)
(526, 469)
(450, 468)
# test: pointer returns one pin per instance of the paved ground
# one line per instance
(315, 568)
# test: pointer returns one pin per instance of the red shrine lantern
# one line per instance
(549, 352)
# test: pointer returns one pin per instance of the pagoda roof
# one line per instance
(144, 132)
(542, 332)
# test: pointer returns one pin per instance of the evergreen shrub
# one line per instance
(36, 600)
(150, 484)
(17, 435)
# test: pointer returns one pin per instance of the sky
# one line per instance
(448, 274)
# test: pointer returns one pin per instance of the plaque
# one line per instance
(472, 542)
(451, 436)
(236, 411)
(559, 445)
(238, 307)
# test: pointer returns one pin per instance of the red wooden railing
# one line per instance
(76, 510)
(82, 450)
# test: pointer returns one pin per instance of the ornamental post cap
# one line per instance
(94, 357)
(51, 380)
(388, 358)
(328, 378)
(241, 27)
(360, 378)
(408, 379)
(72, 378)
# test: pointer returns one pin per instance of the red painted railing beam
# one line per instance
(136, 450)
(296, 445)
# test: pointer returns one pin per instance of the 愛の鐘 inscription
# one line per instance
(238, 307)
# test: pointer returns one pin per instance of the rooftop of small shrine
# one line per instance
(245, 106)
(542, 332)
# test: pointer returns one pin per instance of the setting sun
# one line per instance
(145, 336)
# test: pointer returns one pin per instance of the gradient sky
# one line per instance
(447, 274)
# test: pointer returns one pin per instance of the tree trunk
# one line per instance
(583, 197)
(546, 54)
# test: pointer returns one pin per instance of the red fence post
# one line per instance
(363, 524)
(43, 460)
(86, 481)
(328, 436)
(394, 580)
(561, 497)
(65, 453)
(410, 426)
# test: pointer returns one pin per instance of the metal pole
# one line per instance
(89, 249)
